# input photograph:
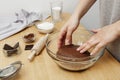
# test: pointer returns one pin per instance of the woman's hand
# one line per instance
(101, 38)
(65, 36)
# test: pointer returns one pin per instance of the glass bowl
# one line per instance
(72, 64)
(10, 72)
(9, 51)
(29, 38)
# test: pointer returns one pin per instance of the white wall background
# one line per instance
(8, 7)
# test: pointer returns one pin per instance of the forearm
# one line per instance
(82, 8)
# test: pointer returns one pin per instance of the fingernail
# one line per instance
(81, 51)
(67, 42)
(91, 54)
(77, 49)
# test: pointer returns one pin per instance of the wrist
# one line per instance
(118, 27)
(75, 17)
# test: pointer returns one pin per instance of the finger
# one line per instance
(89, 45)
(81, 47)
(97, 48)
(61, 38)
(68, 39)
(90, 41)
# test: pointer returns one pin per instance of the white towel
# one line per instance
(23, 20)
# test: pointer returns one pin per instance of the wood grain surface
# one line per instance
(44, 68)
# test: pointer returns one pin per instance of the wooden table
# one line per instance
(43, 67)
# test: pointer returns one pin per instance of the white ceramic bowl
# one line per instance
(45, 27)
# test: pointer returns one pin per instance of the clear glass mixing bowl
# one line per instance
(72, 64)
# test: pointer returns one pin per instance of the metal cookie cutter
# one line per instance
(9, 72)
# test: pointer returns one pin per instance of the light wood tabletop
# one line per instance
(44, 68)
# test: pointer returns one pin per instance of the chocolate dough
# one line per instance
(69, 51)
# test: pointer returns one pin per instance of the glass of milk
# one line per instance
(56, 10)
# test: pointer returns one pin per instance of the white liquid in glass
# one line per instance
(56, 13)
